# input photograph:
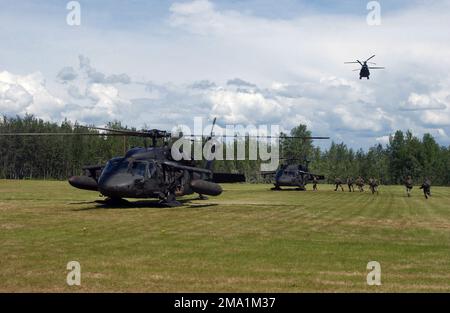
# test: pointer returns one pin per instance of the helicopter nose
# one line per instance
(118, 185)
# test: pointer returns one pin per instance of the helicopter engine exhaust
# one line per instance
(83, 182)
(205, 187)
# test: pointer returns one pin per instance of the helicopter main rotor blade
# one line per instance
(58, 134)
(376, 68)
(370, 57)
(269, 137)
(119, 131)
(352, 62)
(372, 63)
(287, 137)
(152, 133)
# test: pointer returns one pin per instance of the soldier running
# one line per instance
(360, 184)
(314, 183)
(373, 184)
(426, 186)
(408, 185)
(338, 183)
(350, 182)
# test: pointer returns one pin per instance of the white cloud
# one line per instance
(432, 109)
(437, 118)
(241, 107)
(20, 94)
(351, 120)
(419, 102)
(384, 140)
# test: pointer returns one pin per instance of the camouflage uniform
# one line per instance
(338, 183)
(360, 184)
(350, 182)
(426, 186)
(408, 185)
(373, 183)
(314, 183)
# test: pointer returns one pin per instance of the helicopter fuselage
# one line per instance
(365, 68)
(293, 176)
(147, 173)
(364, 72)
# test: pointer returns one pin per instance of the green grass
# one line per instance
(247, 239)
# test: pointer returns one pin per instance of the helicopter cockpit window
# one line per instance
(138, 168)
(112, 165)
(121, 167)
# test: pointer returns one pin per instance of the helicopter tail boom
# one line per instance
(228, 178)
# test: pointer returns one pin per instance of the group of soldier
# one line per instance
(359, 182)
(373, 185)
(426, 186)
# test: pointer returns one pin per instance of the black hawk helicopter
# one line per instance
(293, 175)
(365, 69)
(151, 172)
(290, 174)
(146, 172)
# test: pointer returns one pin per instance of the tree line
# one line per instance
(404, 155)
(58, 157)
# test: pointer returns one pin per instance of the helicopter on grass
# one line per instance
(146, 172)
(365, 69)
(149, 172)
(292, 175)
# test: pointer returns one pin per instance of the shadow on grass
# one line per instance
(288, 189)
(125, 204)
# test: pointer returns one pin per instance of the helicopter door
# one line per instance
(139, 169)
(151, 169)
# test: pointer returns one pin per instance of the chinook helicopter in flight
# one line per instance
(365, 69)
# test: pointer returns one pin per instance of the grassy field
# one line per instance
(247, 239)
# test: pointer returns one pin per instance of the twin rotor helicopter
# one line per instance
(364, 71)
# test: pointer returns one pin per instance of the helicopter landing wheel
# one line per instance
(202, 197)
(170, 200)
(115, 201)
(275, 188)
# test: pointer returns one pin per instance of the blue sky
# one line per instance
(159, 63)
